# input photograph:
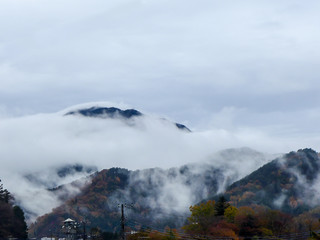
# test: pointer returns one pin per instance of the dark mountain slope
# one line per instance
(114, 113)
(92, 204)
(106, 112)
(287, 183)
(155, 193)
(162, 197)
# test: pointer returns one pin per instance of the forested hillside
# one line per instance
(12, 221)
(288, 183)
(285, 188)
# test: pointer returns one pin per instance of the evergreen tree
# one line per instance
(5, 219)
(221, 206)
(20, 229)
(12, 220)
(5, 213)
(4, 194)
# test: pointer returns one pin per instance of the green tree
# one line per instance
(202, 216)
(229, 213)
(221, 206)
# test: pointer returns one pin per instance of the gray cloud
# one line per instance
(39, 144)
(181, 58)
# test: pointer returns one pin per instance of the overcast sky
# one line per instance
(231, 66)
(237, 73)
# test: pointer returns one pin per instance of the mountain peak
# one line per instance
(113, 113)
(289, 183)
(305, 161)
(106, 112)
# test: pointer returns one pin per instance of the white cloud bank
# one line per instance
(40, 142)
(44, 140)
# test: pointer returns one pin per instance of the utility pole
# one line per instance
(122, 233)
(122, 223)
(84, 229)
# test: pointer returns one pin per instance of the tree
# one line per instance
(229, 213)
(306, 222)
(224, 230)
(4, 194)
(5, 220)
(20, 229)
(202, 216)
(276, 221)
(247, 222)
(12, 221)
(221, 206)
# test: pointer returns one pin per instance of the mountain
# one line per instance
(162, 197)
(91, 204)
(105, 112)
(151, 191)
(68, 178)
(114, 113)
(290, 183)
(58, 148)
(159, 196)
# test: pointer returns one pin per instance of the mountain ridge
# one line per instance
(286, 183)
(113, 113)
(150, 189)
(155, 192)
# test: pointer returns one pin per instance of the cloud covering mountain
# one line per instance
(158, 196)
(162, 197)
(46, 142)
(241, 68)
